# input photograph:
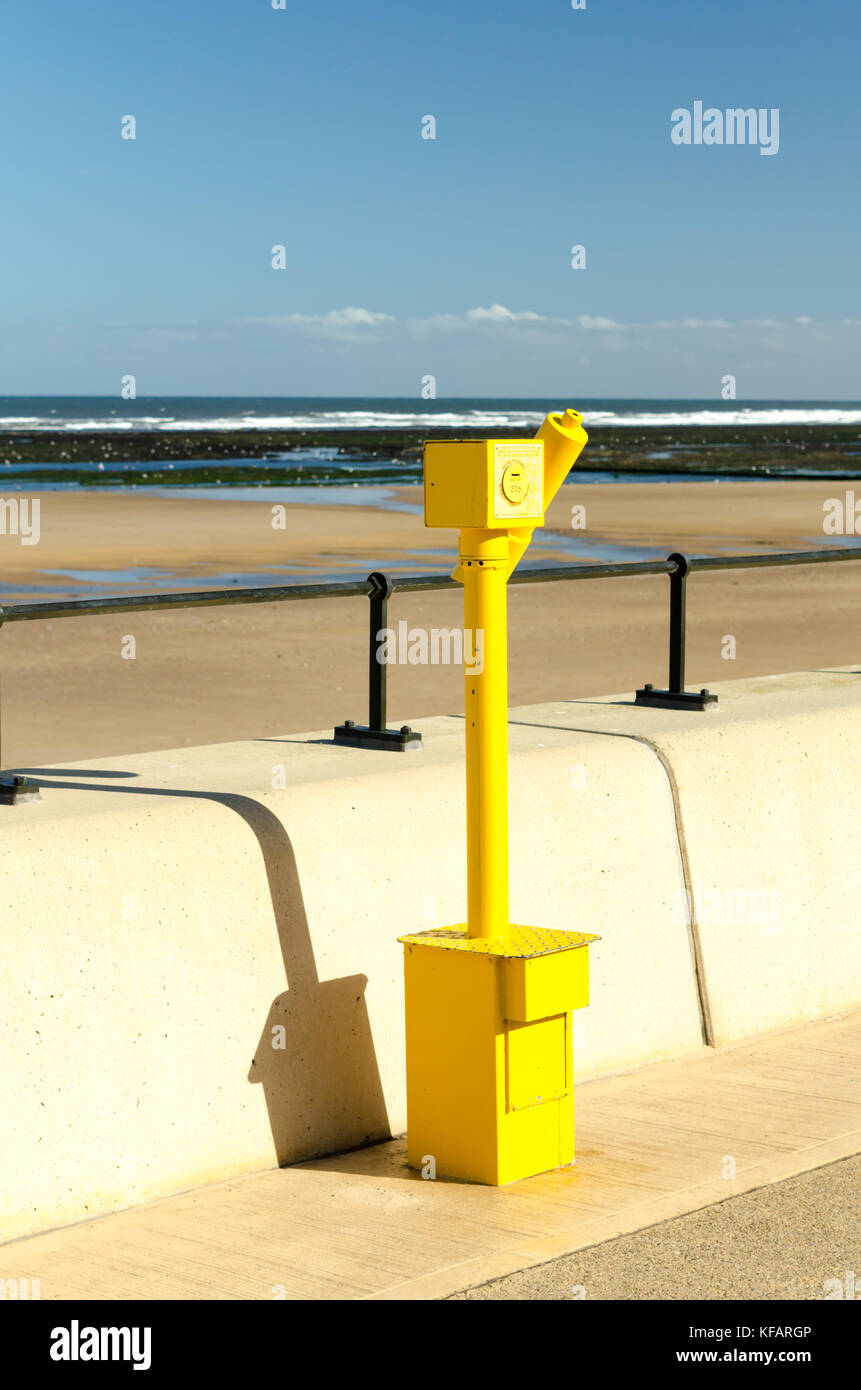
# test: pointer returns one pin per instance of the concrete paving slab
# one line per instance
(653, 1145)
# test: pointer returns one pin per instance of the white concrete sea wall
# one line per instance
(200, 975)
(768, 789)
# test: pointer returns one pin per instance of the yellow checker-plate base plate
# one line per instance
(520, 943)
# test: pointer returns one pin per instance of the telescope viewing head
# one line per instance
(499, 486)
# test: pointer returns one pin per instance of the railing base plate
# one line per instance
(675, 699)
(360, 736)
(15, 790)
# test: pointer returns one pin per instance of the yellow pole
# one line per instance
(489, 1008)
(484, 569)
(486, 560)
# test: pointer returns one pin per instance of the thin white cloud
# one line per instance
(586, 321)
(683, 323)
(353, 323)
(497, 313)
(335, 318)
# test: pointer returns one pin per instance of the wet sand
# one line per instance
(203, 676)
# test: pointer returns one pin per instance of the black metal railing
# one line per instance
(379, 587)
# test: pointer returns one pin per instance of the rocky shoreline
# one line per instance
(108, 457)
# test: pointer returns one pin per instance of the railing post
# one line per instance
(675, 696)
(678, 585)
(15, 790)
(380, 589)
(375, 734)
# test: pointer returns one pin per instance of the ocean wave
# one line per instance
(335, 419)
(784, 416)
(636, 418)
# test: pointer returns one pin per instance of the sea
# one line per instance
(85, 413)
(326, 473)
(348, 459)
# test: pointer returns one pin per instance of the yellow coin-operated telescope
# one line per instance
(489, 1002)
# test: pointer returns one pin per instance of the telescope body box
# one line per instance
(484, 484)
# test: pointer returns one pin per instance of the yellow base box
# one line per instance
(489, 1051)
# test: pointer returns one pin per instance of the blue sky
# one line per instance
(407, 257)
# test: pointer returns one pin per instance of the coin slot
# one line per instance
(515, 483)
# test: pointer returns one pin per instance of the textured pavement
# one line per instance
(783, 1242)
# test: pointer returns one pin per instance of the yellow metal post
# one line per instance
(484, 566)
(489, 1002)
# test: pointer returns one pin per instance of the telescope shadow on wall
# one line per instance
(315, 1058)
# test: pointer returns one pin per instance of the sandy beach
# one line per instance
(204, 676)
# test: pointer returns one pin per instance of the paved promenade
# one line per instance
(653, 1146)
